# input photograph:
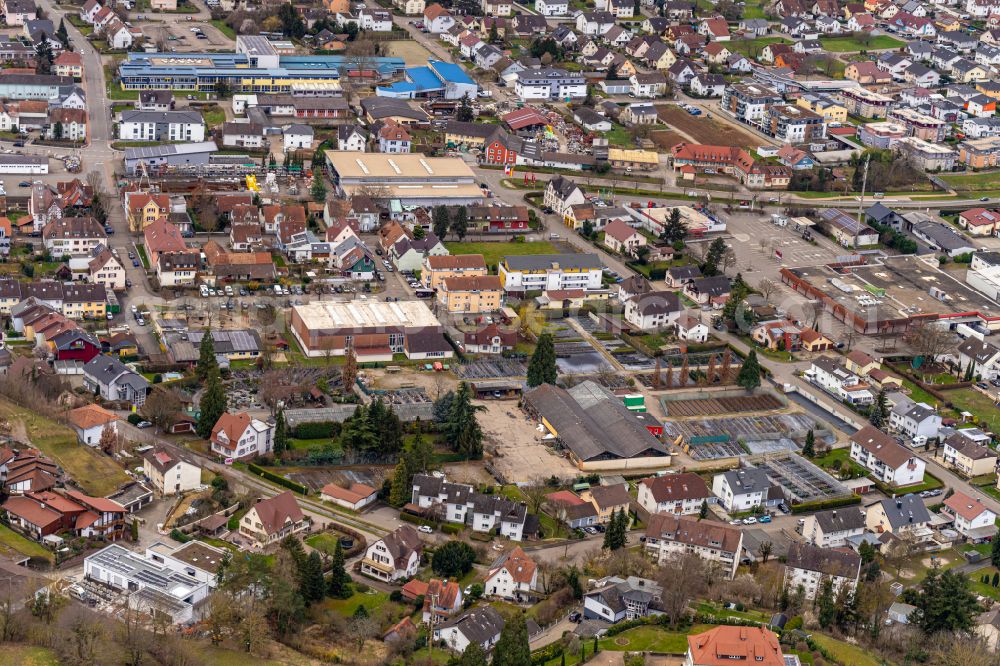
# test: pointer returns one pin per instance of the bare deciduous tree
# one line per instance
(767, 287)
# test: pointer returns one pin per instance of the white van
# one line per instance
(204, 291)
(277, 290)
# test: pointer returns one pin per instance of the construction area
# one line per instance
(801, 480)
(733, 437)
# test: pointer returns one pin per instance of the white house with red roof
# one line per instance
(680, 494)
(973, 519)
(621, 238)
(888, 461)
(979, 221)
(512, 575)
(239, 436)
(437, 19)
(89, 422)
(168, 473)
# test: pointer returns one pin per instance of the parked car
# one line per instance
(575, 616)
(143, 425)
(426, 529)
(750, 521)
(765, 519)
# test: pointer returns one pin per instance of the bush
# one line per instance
(277, 478)
(157, 379)
(794, 623)
(317, 430)
(177, 535)
(361, 588)
(819, 505)
(454, 558)
(396, 596)
(416, 520)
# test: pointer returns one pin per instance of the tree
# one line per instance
(318, 190)
(879, 411)
(271, 24)
(642, 254)
(109, 439)
(207, 363)
(615, 536)
(460, 222)
(944, 603)
(462, 428)
(767, 288)
(930, 341)
(441, 221)
(454, 558)
(703, 510)
(161, 407)
(349, 371)
(749, 376)
(542, 366)
(494, 34)
(464, 112)
(312, 585)
(339, 585)
(400, 487)
(57, 131)
(280, 433)
(674, 230)
(419, 232)
(44, 57)
(827, 611)
(62, 35)
(612, 72)
(764, 550)
(212, 406)
(995, 553)
(512, 647)
(809, 448)
(358, 434)
(713, 257)
(474, 655)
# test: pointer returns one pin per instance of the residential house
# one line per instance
(512, 576)
(113, 380)
(972, 519)
(90, 421)
(889, 462)
(724, 644)
(241, 436)
(616, 599)
(833, 528)
(354, 496)
(489, 340)
(808, 567)
(394, 556)
(271, 520)
(677, 494)
(967, 456)
(168, 473)
(742, 489)
(919, 420)
(608, 500)
(669, 536)
(653, 310)
(106, 269)
(900, 515)
(481, 625)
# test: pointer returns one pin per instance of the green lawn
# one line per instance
(370, 600)
(494, 252)
(850, 44)
(324, 542)
(973, 182)
(26, 655)
(11, 540)
(918, 394)
(222, 657)
(117, 93)
(977, 404)
(845, 653)
(96, 473)
(986, 589)
(307, 444)
(224, 29)
(142, 255)
(214, 116)
(619, 136)
(752, 47)
(831, 458)
(640, 639)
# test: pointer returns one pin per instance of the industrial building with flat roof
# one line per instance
(168, 155)
(413, 179)
(435, 79)
(375, 330)
(891, 296)
(255, 67)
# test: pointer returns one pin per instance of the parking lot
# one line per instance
(757, 239)
(177, 35)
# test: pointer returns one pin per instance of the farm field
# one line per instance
(974, 182)
(94, 472)
(703, 129)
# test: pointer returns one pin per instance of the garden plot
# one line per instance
(491, 368)
(742, 428)
(801, 480)
(721, 405)
(316, 478)
(715, 451)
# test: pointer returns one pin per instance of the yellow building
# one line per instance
(472, 294)
(608, 500)
(438, 269)
(144, 209)
(830, 110)
(640, 160)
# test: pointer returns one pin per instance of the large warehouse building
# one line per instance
(375, 330)
(413, 179)
(255, 67)
(890, 296)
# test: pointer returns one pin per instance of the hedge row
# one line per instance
(416, 520)
(280, 480)
(316, 430)
(819, 505)
(452, 528)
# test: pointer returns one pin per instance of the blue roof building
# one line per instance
(436, 79)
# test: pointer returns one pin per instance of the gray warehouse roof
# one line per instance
(169, 149)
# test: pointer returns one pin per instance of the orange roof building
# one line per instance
(726, 646)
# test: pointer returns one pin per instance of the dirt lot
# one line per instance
(704, 130)
(520, 453)
(666, 139)
(434, 383)
(412, 52)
